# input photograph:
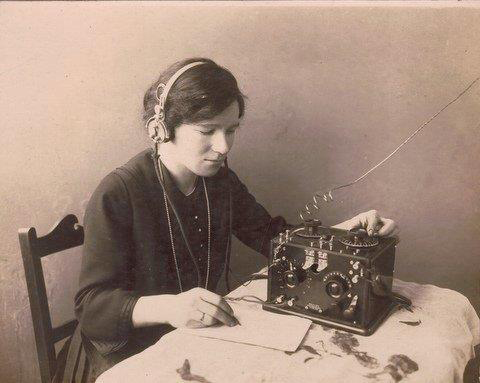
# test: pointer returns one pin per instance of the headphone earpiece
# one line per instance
(163, 134)
(156, 127)
(157, 130)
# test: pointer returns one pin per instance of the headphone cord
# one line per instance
(159, 174)
(229, 238)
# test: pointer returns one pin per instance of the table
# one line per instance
(433, 343)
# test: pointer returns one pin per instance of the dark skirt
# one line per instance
(80, 362)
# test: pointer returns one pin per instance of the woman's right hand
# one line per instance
(194, 308)
(199, 307)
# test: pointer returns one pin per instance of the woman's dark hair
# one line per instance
(201, 93)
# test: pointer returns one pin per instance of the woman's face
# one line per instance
(201, 147)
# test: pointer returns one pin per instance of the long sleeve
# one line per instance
(251, 223)
(104, 302)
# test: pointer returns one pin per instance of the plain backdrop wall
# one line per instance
(332, 89)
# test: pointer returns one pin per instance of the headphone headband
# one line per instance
(165, 88)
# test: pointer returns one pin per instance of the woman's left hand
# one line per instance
(371, 222)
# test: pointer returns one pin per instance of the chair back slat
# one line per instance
(65, 235)
(64, 330)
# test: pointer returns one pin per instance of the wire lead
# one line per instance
(328, 196)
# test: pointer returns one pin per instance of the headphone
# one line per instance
(159, 131)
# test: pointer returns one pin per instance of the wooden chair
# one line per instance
(66, 234)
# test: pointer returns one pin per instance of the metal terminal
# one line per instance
(349, 312)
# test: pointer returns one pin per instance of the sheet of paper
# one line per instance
(260, 328)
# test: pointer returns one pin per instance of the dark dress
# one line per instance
(128, 254)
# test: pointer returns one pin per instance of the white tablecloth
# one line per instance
(431, 344)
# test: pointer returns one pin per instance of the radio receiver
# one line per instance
(333, 277)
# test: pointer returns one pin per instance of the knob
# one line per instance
(355, 279)
(290, 277)
(280, 299)
(336, 287)
(291, 301)
(311, 227)
(355, 265)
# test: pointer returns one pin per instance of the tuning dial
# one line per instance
(290, 278)
(294, 277)
(336, 287)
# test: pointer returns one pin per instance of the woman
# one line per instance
(157, 230)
